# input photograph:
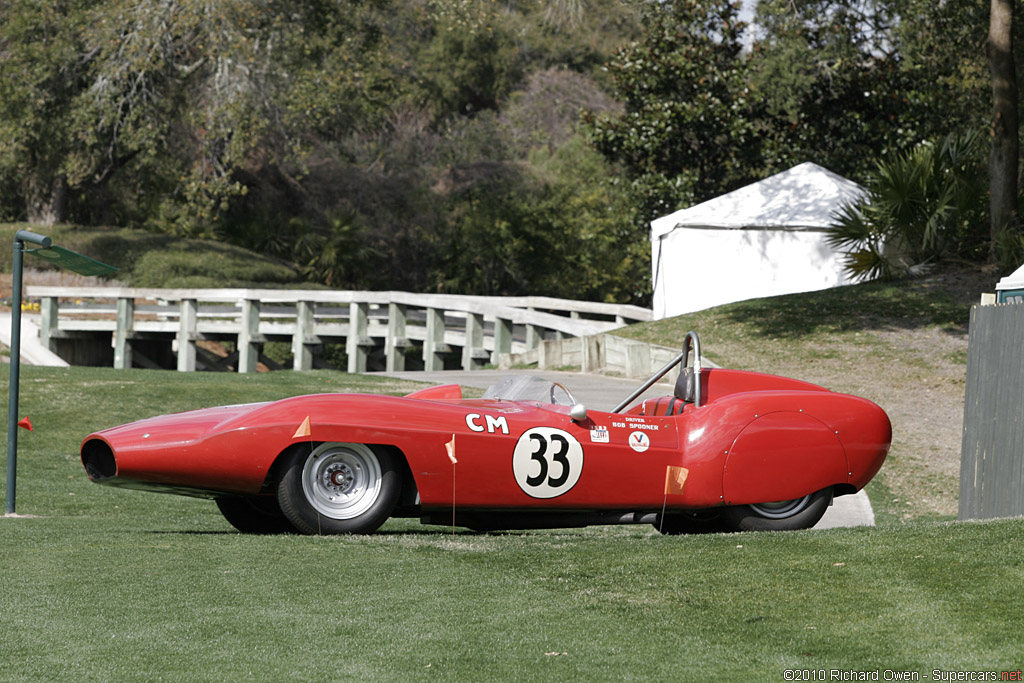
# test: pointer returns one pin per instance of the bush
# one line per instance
(195, 265)
(925, 204)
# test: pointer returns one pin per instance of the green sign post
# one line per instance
(83, 265)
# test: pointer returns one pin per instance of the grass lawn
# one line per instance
(110, 584)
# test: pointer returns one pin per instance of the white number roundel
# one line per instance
(547, 462)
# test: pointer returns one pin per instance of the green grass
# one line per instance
(110, 584)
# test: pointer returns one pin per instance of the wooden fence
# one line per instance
(992, 457)
(136, 324)
(604, 353)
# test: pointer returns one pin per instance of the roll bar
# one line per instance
(683, 357)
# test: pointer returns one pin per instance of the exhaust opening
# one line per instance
(98, 459)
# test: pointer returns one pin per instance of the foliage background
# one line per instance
(475, 146)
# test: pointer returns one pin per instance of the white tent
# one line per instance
(760, 240)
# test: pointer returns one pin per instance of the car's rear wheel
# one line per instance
(783, 515)
(338, 488)
(254, 514)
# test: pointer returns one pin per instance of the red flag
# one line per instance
(25, 423)
(450, 447)
(675, 479)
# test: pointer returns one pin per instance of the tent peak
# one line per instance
(805, 196)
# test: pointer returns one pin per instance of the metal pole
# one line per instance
(12, 401)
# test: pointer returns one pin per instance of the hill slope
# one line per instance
(148, 259)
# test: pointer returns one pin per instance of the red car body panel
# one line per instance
(756, 438)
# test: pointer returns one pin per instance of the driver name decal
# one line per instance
(487, 423)
(547, 462)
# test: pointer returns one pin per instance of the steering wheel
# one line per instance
(559, 385)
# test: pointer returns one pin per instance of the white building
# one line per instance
(764, 239)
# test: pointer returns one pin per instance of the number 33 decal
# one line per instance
(547, 462)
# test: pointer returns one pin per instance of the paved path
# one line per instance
(32, 351)
(604, 393)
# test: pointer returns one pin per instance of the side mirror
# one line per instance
(578, 412)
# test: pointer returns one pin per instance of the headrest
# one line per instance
(686, 385)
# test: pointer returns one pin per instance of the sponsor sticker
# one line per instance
(639, 441)
(599, 435)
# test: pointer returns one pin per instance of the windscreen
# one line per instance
(528, 388)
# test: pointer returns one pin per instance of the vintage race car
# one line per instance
(728, 450)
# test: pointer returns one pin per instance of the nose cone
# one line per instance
(154, 450)
(98, 460)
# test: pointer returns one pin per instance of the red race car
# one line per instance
(729, 450)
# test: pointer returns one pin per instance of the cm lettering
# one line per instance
(491, 424)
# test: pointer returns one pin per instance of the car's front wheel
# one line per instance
(783, 515)
(338, 488)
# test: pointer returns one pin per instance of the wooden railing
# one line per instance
(484, 327)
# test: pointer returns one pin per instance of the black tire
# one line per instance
(691, 522)
(339, 488)
(787, 515)
(254, 514)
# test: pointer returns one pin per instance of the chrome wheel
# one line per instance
(338, 488)
(341, 481)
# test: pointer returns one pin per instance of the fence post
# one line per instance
(355, 345)
(549, 355)
(433, 345)
(187, 322)
(473, 353)
(593, 353)
(533, 334)
(49, 310)
(304, 339)
(123, 332)
(502, 338)
(396, 341)
(249, 336)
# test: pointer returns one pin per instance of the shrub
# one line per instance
(921, 205)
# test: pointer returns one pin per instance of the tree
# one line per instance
(40, 74)
(685, 132)
(164, 102)
(1003, 159)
